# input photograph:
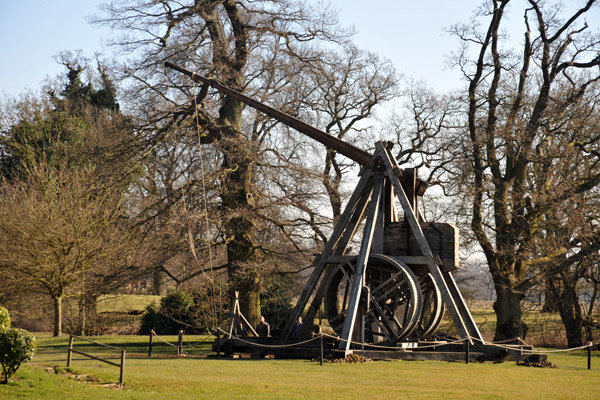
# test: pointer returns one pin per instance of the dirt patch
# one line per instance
(86, 378)
(349, 359)
(537, 364)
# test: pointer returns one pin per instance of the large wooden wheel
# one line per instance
(433, 308)
(390, 305)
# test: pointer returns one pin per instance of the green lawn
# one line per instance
(545, 329)
(201, 378)
(124, 303)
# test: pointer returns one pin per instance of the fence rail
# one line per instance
(120, 365)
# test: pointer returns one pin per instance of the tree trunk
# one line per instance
(250, 299)
(57, 315)
(570, 314)
(159, 282)
(509, 324)
(82, 316)
(550, 302)
(237, 199)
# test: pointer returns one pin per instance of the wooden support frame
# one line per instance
(336, 245)
(462, 318)
(361, 265)
(238, 321)
(121, 365)
(380, 185)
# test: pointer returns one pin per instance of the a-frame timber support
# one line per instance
(375, 194)
(238, 324)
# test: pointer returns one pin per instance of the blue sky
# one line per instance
(34, 31)
(410, 33)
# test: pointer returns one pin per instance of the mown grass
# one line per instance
(544, 329)
(124, 303)
(207, 378)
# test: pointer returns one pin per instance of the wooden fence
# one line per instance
(120, 365)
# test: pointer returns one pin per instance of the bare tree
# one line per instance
(531, 148)
(574, 231)
(57, 228)
(262, 48)
(67, 159)
(347, 89)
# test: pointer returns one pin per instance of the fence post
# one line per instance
(321, 346)
(468, 350)
(70, 352)
(180, 348)
(150, 342)
(122, 375)
(218, 343)
(589, 349)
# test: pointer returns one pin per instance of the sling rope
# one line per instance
(205, 199)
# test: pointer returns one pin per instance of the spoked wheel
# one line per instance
(433, 308)
(390, 304)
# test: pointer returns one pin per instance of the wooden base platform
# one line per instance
(305, 348)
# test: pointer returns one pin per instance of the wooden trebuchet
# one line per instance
(390, 294)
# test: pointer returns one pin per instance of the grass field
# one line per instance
(124, 303)
(201, 378)
(544, 329)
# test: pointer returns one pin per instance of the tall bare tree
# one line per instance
(262, 48)
(532, 141)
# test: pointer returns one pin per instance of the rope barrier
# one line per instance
(534, 351)
(394, 347)
(270, 345)
(419, 347)
(164, 341)
(499, 344)
(188, 344)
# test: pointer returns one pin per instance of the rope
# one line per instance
(534, 351)
(163, 340)
(188, 344)
(335, 338)
(395, 347)
(503, 341)
(184, 343)
(497, 344)
(270, 345)
(211, 278)
(205, 198)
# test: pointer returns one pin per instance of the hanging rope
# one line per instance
(210, 278)
(205, 199)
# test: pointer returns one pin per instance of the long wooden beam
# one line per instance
(361, 266)
(354, 153)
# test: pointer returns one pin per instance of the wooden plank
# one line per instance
(445, 352)
(340, 249)
(424, 355)
(443, 240)
(378, 234)
(354, 153)
(361, 264)
(96, 358)
(343, 224)
(461, 305)
(338, 259)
